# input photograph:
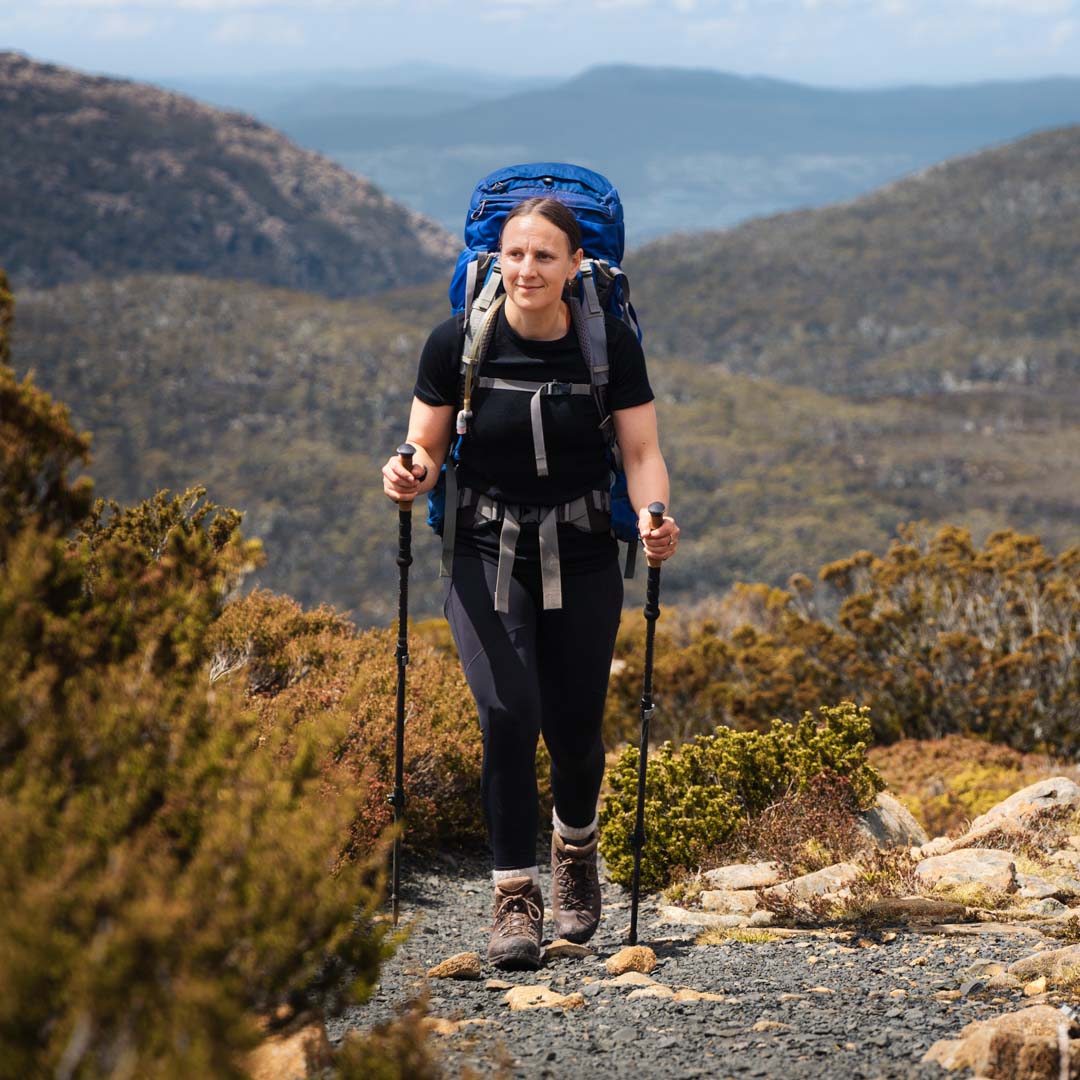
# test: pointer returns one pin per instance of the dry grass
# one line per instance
(716, 935)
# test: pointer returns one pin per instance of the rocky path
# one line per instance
(810, 1005)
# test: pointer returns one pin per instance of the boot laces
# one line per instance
(576, 882)
(519, 915)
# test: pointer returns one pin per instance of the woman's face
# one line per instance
(536, 263)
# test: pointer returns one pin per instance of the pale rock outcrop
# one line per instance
(541, 997)
(1057, 964)
(830, 881)
(730, 901)
(759, 875)
(1033, 802)
(995, 870)
(1025, 1045)
(889, 823)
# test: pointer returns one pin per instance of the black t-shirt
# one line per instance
(498, 457)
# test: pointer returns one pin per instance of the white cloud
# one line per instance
(1063, 32)
(118, 26)
(262, 29)
(1027, 7)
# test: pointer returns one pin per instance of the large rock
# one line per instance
(889, 824)
(298, 1051)
(995, 870)
(730, 901)
(917, 909)
(832, 880)
(759, 875)
(1033, 802)
(1025, 1045)
(669, 915)
(1060, 965)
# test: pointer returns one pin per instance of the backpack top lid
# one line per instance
(592, 197)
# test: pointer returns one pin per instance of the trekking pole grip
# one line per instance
(405, 453)
(656, 519)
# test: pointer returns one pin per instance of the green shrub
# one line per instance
(171, 862)
(937, 636)
(697, 797)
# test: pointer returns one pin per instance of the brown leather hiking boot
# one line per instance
(519, 924)
(575, 888)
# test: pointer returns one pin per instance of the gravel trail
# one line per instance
(823, 1005)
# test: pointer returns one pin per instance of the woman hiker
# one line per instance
(537, 662)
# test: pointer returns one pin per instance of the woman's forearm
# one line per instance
(647, 480)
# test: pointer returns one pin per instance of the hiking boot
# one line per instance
(519, 924)
(575, 888)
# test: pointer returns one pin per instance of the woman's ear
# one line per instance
(576, 259)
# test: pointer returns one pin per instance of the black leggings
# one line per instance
(534, 671)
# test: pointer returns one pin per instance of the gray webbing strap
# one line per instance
(482, 303)
(538, 390)
(450, 515)
(508, 539)
(470, 283)
(594, 319)
(550, 567)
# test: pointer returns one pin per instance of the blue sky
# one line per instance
(825, 42)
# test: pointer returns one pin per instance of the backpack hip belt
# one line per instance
(590, 513)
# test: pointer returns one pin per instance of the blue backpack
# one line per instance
(476, 294)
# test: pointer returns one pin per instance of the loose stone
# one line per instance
(632, 958)
(540, 997)
(464, 965)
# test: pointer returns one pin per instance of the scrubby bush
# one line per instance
(698, 796)
(172, 863)
(947, 782)
(937, 637)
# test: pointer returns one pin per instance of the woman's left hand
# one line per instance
(659, 543)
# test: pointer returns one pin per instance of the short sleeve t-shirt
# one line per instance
(498, 456)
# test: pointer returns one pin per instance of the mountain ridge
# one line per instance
(97, 167)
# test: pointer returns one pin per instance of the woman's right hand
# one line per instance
(400, 484)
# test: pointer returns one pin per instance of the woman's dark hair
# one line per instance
(559, 214)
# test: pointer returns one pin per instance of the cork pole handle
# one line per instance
(656, 519)
(406, 451)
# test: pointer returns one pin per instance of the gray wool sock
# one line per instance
(526, 871)
(574, 833)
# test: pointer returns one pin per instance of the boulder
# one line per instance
(1025, 1045)
(730, 901)
(632, 958)
(917, 909)
(465, 965)
(1033, 887)
(889, 824)
(758, 875)
(1033, 802)
(1059, 965)
(829, 881)
(676, 916)
(298, 1051)
(970, 866)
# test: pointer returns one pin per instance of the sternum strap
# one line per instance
(538, 390)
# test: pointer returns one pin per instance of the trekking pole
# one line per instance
(404, 561)
(652, 613)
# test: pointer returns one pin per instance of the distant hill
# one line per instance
(103, 177)
(962, 279)
(286, 404)
(688, 149)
